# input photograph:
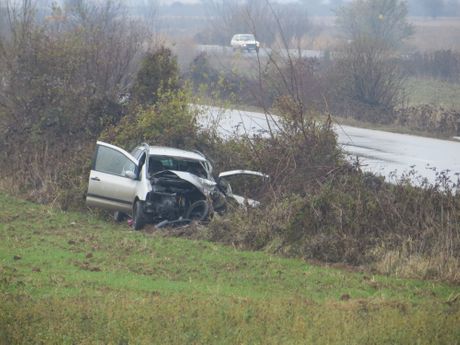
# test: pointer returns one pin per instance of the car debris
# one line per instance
(160, 185)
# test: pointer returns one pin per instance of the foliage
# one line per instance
(305, 151)
(370, 76)
(158, 71)
(440, 64)
(440, 120)
(216, 85)
(233, 17)
(171, 121)
(268, 21)
(383, 22)
(62, 81)
(358, 219)
(375, 30)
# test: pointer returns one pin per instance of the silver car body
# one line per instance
(118, 179)
(244, 41)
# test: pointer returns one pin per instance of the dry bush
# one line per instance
(436, 120)
(63, 81)
(419, 266)
(296, 160)
(357, 219)
(255, 229)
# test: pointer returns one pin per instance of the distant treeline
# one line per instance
(430, 8)
(440, 64)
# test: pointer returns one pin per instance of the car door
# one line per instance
(239, 173)
(113, 179)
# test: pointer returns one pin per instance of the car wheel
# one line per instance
(139, 219)
(199, 211)
(119, 216)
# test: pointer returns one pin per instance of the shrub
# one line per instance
(158, 71)
(62, 81)
(358, 219)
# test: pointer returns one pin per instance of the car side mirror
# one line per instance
(130, 174)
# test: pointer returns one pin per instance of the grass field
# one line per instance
(70, 278)
(421, 91)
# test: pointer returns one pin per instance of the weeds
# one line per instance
(358, 219)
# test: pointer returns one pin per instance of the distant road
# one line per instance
(263, 52)
(384, 153)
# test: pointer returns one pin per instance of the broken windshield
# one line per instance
(160, 163)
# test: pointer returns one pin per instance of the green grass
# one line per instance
(421, 91)
(69, 278)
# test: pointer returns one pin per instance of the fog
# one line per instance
(315, 7)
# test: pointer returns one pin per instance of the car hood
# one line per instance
(205, 186)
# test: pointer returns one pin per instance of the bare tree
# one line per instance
(260, 17)
(294, 22)
(374, 30)
(383, 21)
(85, 51)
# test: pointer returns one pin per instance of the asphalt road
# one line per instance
(389, 154)
(263, 52)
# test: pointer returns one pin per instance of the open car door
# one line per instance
(113, 179)
(236, 175)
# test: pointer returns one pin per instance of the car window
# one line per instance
(168, 163)
(111, 161)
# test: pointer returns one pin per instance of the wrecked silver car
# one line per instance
(159, 185)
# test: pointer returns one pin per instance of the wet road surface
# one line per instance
(385, 153)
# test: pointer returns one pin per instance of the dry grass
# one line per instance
(403, 264)
(435, 34)
(430, 34)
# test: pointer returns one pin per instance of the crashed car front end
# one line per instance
(159, 185)
(177, 195)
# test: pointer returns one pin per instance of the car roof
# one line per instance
(240, 35)
(173, 152)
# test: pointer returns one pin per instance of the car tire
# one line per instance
(119, 216)
(139, 218)
(199, 211)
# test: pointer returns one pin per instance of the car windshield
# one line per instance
(160, 163)
(246, 37)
